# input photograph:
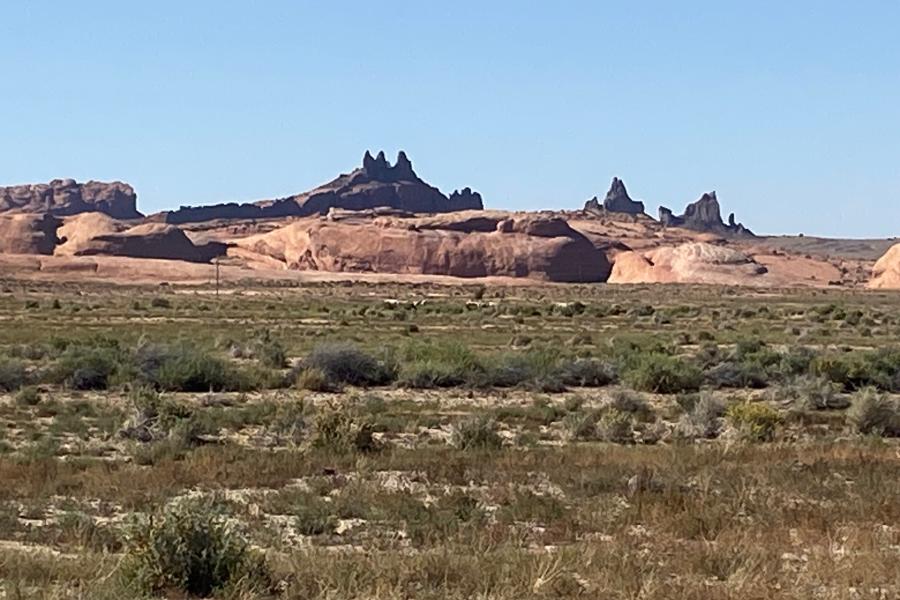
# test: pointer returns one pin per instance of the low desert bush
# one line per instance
(660, 373)
(314, 380)
(89, 367)
(12, 374)
(426, 364)
(190, 548)
(28, 396)
(339, 430)
(587, 372)
(345, 363)
(478, 432)
(755, 421)
(813, 393)
(703, 420)
(873, 413)
(616, 426)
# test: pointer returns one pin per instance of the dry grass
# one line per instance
(473, 491)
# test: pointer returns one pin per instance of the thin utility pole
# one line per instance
(217, 277)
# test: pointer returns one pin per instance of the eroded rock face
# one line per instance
(467, 244)
(151, 240)
(96, 234)
(62, 197)
(886, 272)
(376, 184)
(28, 233)
(694, 262)
(703, 215)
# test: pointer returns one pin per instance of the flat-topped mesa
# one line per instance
(376, 184)
(703, 215)
(617, 200)
(64, 197)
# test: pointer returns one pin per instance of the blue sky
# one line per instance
(790, 110)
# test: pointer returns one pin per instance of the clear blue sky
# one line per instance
(790, 110)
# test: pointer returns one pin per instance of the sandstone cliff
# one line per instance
(886, 272)
(695, 262)
(63, 197)
(467, 244)
(28, 233)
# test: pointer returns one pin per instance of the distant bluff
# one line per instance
(64, 197)
(703, 215)
(617, 200)
(375, 184)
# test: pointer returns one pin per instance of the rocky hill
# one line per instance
(62, 197)
(703, 215)
(617, 200)
(375, 184)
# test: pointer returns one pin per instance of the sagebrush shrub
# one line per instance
(703, 420)
(478, 432)
(348, 364)
(662, 374)
(191, 548)
(874, 413)
(12, 374)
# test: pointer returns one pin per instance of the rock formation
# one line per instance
(375, 184)
(694, 262)
(151, 240)
(703, 215)
(466, 244)
(617, 200)
(62, 197)
(28, 233)
(886, 272)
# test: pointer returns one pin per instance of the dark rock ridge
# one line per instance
(376, 184)
(63, 197)
(703, 215)
(617, 200)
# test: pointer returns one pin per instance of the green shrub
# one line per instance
(478, 432)
(269, 351)
(12, 374)
(184, 368)
(616, 426)
(336, 429)
(755, 421)
(859, 369)
(872, 413)
(346, 363)
(190, 548)
(88, 367)
(662, 374)
(437, 365)
(28, 396)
